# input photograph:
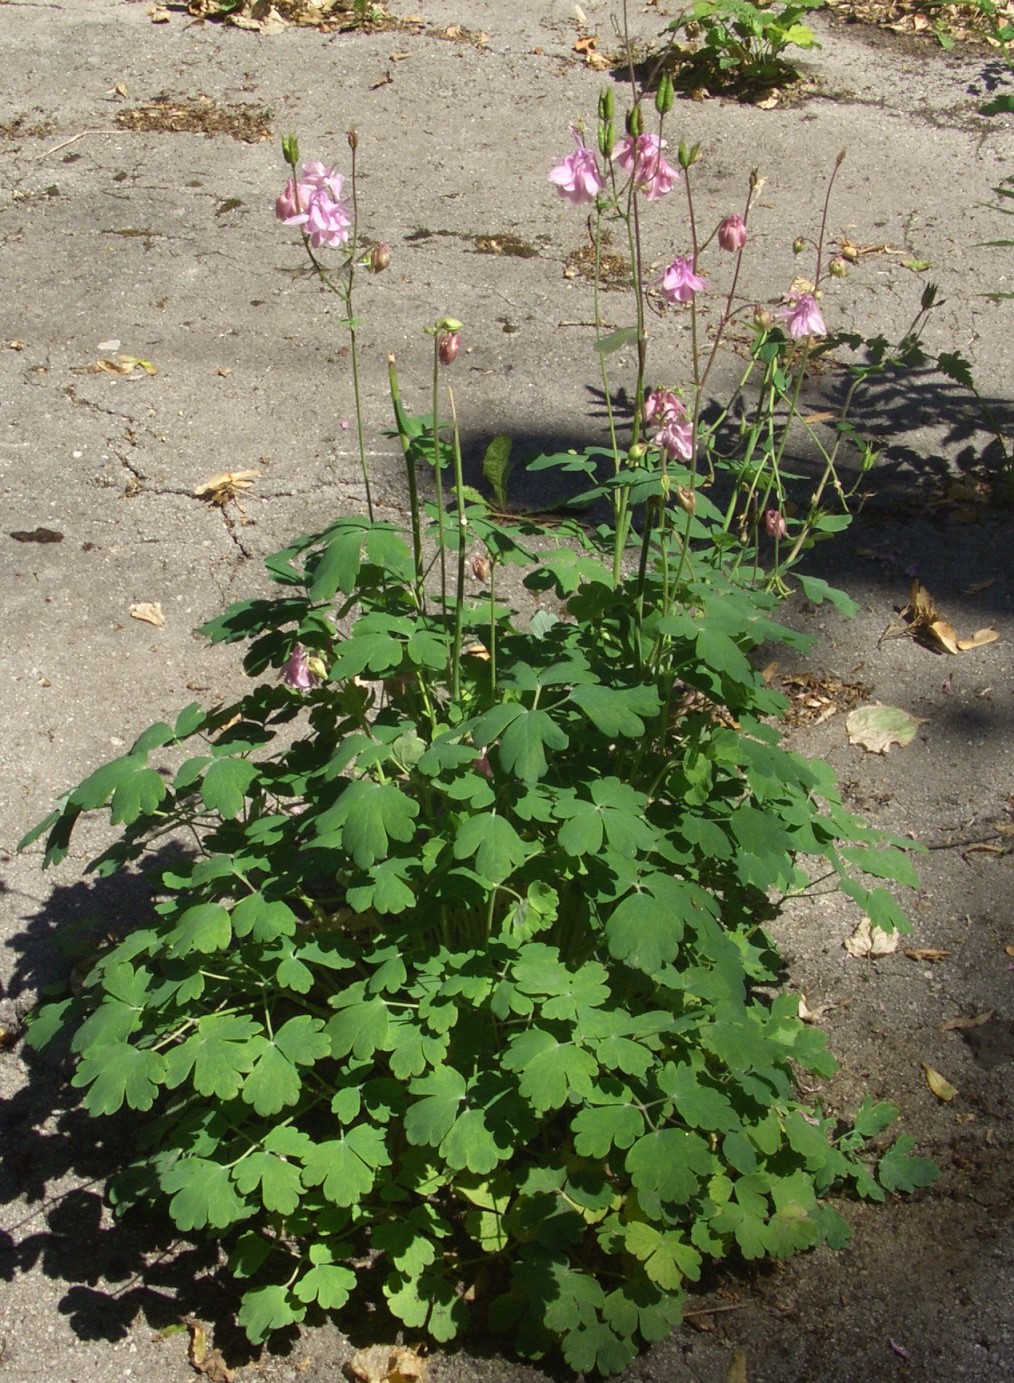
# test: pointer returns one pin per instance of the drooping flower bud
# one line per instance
(686, 499)
(732, 233)
(763, 318)
(774, 522)
(838, 267)
(448, 345)
(481, 567)
(380, 257)
(353, 138)
(799, 244)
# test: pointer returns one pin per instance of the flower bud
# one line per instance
(686, 499)
(290, 149)
(482, 567)
(637, 453)
(665, 95)
(838, 267)
(732, 233)
(448, 345)
(688, 156)
(763, 318)
(353, 138)
(774, 522)
(799, 245)
(380, 257)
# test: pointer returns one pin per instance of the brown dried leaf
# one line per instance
(925, 953)
(978, 586)
(150, 612)
(956, 1024)
(867, 941)
(812, 1015)
(204, 1359)
(978, 639)
(220, 489)
(939, 1084)
(387, 1364)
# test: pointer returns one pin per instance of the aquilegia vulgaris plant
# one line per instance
(458, 996)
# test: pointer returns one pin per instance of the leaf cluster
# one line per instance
(462, 973)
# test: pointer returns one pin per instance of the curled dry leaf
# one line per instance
(220, 489)
(148, 611)
(925, 622)
(868, 941)
(812, 1015)
(939, 1084)
(876, 727)
(926, 953)
(957, 1024)
(387, 1364)
(204, 1359)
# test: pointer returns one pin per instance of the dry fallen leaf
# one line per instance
(925, 623)
(387, 1364)
(204, 1359)
(220, 489)
(956, 1024)
(868, 941)
(737, 1369)
(877, 727)
(149, 612)
(940, 1086)
(925, 953)
(812, 1015)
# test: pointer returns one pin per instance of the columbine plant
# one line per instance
(458, 994)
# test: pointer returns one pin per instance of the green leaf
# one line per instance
(265, 1309)
(524, 743)
(206, 927)
(370, 815)
(430, 1118)
(899, 1171)
(137, 795)
(273, 1082)
(817, 591)
(551, 1071)
(496, 467)
(697, 1100)
(262, 919)
(616, 340)
(337, 566)
(278, 1182)
(119, 1074)
(667, 1259)
(190, 720)
(224, 785)
(219, 1054)
(666, 1167)
(328, 1284)
(873, 1117)
(617, 710)
(346, 1168)
(599, 1128)
(497, 847)
(204, 1195)
(361, 1026)
(645, 928)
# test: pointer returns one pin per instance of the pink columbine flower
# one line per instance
(577, 177)
(680, 283)
(774, 522)
(296, 672)
(803, 316)
(663, 406)
(732, 233)
(675, 440)
(314, 203)
(642, 157)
